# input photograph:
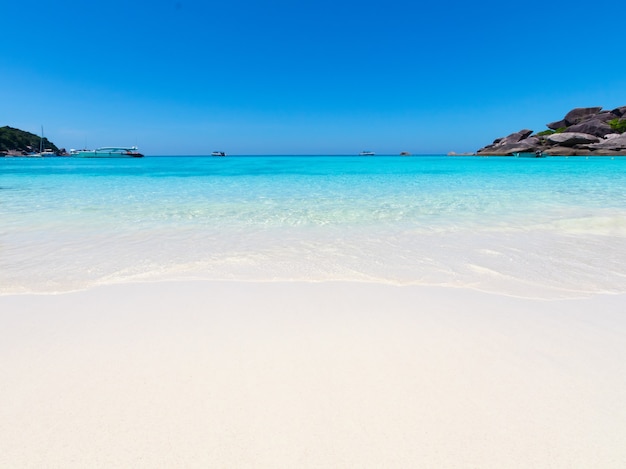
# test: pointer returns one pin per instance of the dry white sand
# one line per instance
(296, 375)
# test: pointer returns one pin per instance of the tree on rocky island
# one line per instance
(20, 141)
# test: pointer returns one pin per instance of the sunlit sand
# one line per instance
(235, 374)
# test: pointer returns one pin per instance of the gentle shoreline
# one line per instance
(334, 374)
(505, 226)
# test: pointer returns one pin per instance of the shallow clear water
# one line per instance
(533, 227)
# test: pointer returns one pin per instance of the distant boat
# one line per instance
(107, 152)
(218, 153)
(529, 154)
(367, 153)
(41, 151)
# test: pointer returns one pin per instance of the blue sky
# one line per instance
(307, 77)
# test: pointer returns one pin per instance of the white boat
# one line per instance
(218, 153)
(41, 152)
(107, 152)
(529, 154)
(367, 153)
(46, 153)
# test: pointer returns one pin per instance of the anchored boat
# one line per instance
(529, 154)
(108, 152)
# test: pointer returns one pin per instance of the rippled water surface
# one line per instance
(532, 227)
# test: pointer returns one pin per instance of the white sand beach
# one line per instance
(234, 374)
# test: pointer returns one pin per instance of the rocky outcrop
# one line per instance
(569, 139)
(557, 125)
(593, 127)
(583, 131)
(511, 143)
(620, 111)
(615, 142)
(580, 114)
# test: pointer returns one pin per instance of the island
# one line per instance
(585, 131)
(16, 142)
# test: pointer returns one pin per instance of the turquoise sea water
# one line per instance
(533, 227)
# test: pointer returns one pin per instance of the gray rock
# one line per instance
(498, 150)
(516, 137)
(587, 132)
(557, 125)
(486, 148)
(603, 152)
(615, 143)
(569, 139)
(531, 142)
(524, 147)
(576, 116)
(592, 127)
(619, 111)
(560, 151)
(505, 149)
(506, 145)
(606, 116)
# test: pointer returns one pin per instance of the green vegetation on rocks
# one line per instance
(618, 125)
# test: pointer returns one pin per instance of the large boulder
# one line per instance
(619, 111)
(500, 150)
(507, 145)
(531, 145)
(592, 126)
(557, 125)
(605, 116)
(531, 142)
(561, 151)
(516, 137)
(614, 143)
(569, 139)
(576, 116)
